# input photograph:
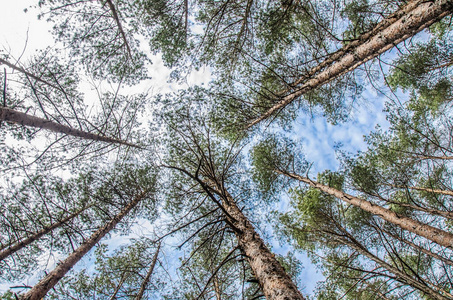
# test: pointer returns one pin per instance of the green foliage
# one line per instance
(271, 154)
(425, 71)
(122, 270)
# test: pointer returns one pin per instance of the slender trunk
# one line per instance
(48, 282)
(17, 68)
(435, 191)
(272, 278)
(417, 16)
(424, 157)
(120, 27)
(217, 288)
(421, 249)
(148, 275)
(436, 235)
(441, 213)
(401, 276)
(14, 116)
(16, 246)
(118, 287)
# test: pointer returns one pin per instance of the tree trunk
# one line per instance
(120, 27)
(218, 294)
(48, 282)
(436, 235)
(17, 68)
(272, 278)
(119, 285)
(414, 17)
(148, 275)
(434, 191)
(14, 116)
(16, 246)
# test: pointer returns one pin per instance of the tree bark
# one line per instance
(217, 288)
(48, 282)
(120, 27)
(272, 277)
(16, 246)
(436, 235)
(14, 116)
(148, 275)
(414, 17)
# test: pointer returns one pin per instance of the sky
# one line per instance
(22, 34)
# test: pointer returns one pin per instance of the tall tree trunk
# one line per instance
(218, 295)
(120, 27)
(148, 275)
(119, 285)
(14, 116)
(414, 17)
(272, 278)
(434, 191)
(436, 235)
(16, 246)
(48, 282)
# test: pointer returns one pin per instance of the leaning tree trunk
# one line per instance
(272, 278)
(14, 116)
(16, 246)
(422, 189)
(414, 17)
(48, 282)
(436, 235)
(148, 275)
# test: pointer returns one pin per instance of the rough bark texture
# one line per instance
(48, 282)
(413, 18)
(272, 278)
(436, 235)
(16, 246)
(10, 115)
(148, 275)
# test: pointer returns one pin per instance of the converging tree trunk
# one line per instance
(272, 277)
(412, 18)
(436, 235)
(14, 116)
(148, 275)
(16, 246)
(48, 282)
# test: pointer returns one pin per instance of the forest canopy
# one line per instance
(226, 188)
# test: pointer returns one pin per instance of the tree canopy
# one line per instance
(112, 189)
